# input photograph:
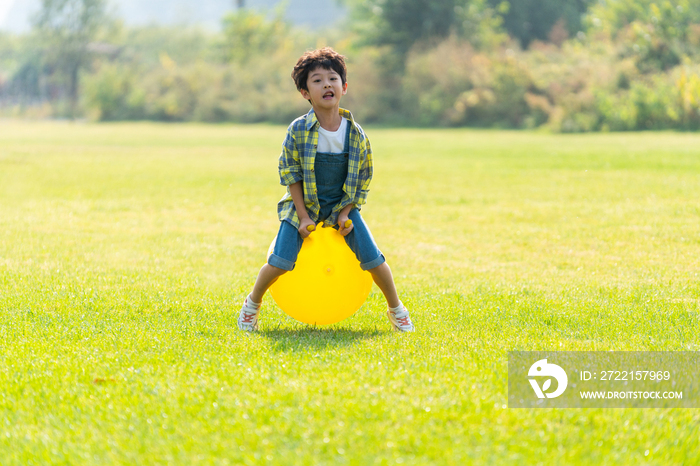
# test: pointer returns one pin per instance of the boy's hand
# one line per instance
(345, 225)
(306, 226)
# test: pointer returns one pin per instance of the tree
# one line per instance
(657, 33)
(247, 34)
(65, 29)
(528, 20)
(401, 24)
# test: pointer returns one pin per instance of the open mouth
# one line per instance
(328, 95)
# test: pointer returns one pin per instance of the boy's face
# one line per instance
(325, 88)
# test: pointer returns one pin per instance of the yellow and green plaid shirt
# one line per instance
(297, 161)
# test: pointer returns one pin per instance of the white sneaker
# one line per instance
(248, 318)
(400, 320)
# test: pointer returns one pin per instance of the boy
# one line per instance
(326, 165)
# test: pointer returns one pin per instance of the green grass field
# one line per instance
(126, 250)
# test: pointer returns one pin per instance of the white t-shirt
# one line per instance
(332, 142)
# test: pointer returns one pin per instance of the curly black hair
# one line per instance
(326, 58)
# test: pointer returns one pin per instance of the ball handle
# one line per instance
(347, 224)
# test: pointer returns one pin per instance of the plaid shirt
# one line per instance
(297, 160)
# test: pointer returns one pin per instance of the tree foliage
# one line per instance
(658, 33)
(247, 34)
(65, 29)
(401, 24)
(528, 20)
(635, 65)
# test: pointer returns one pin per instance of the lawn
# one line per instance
(127, 249)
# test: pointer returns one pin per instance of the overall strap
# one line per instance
(346, 146)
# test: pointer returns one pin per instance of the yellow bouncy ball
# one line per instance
(327, 284)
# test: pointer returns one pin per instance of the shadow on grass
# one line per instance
(310, 338)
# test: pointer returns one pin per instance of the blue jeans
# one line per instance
(289, 241)
(331, 171)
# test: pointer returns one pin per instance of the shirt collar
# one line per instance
(312, 120)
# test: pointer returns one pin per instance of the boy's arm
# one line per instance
(363, 180)
(297, 192)
(289, 165)
(342, 218)
(291, 175)
(365, 174)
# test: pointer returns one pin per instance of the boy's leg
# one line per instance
(385, 281)
(397, 312)
(371, 259)
(284, 255)
(267, 276)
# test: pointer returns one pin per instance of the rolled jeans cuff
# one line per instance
(280, 262)
(375, 263)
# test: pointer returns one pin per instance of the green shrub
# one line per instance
(452, 84)
(688, 86)
(112, 93)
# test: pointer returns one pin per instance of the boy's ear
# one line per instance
(305, 94)
(345, 88)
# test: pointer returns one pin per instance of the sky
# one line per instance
(5, 8)
(15, 14)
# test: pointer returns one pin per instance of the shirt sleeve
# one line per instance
(289, 163)
(365, 174)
